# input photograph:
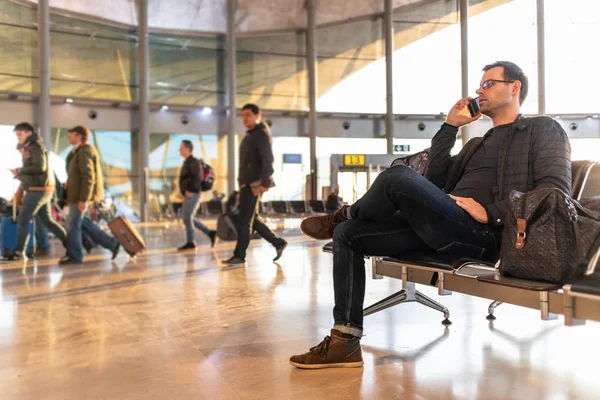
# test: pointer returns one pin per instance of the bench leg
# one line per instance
(407, 295)
(428, 302)
(545, 307)
(569, 307)
(491, 308)
(390, 301)
(374, 261)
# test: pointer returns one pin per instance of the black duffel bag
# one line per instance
(548, 236)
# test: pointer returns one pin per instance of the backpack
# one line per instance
(548, 236)
(207, 174)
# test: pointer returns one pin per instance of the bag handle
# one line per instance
(522, 224)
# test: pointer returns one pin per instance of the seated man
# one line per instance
(457, 208)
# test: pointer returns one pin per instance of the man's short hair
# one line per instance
(24, 126)
(252, 107)
(81, 131)
(188, 144)
(512, 72)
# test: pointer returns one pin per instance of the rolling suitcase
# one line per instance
(127, 235)
(9, 235)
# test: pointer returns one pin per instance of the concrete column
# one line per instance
(231, 92)
(311, 66)
(144, 109)
(388, 24)
(43, 14)
(541, 60)
(464, 56)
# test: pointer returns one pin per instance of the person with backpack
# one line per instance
(191, 182)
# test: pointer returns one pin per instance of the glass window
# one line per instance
(9, 158)
(571, 33)
(426, 59)
(354, 76)
(491, 40)
(585, 149)
(290, 178)
(187, 70)
(92, 60)
(350, 67)
(271, 72)
(18, 48)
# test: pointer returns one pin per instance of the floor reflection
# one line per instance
(182, 325)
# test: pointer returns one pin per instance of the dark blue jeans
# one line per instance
(402, 212)
(74, 221)
(98, 235)
(41, 235)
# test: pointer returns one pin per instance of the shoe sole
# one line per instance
(313, 236)
(282, 250)
(356, 364)
(225, 262)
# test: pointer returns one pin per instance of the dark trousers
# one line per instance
(402, 212)
(249, 221)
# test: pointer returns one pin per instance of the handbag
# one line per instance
(548, 236)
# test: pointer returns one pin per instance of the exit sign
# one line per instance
(402, 148)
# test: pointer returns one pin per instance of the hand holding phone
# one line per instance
(461, 115)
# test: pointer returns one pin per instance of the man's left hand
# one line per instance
(82, 206)
(475, 210)
(262, 189)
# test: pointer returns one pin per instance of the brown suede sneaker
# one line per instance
(321, 228)
(334, 351)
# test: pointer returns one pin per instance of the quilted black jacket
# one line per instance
(256, 157)
(536, 154)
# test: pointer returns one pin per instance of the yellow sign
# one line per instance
(354, 160)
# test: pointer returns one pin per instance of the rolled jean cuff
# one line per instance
(348, 329)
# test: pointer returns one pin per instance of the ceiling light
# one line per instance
(68, 100)
(206, 111)
(164, 107)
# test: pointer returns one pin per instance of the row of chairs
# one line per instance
(578, 301)
(281, 208)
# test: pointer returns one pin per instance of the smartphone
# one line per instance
(473, 107)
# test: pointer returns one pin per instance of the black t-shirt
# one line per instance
(481, 171)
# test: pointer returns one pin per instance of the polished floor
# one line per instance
(181, 326)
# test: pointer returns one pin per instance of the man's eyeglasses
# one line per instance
(485, 85)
